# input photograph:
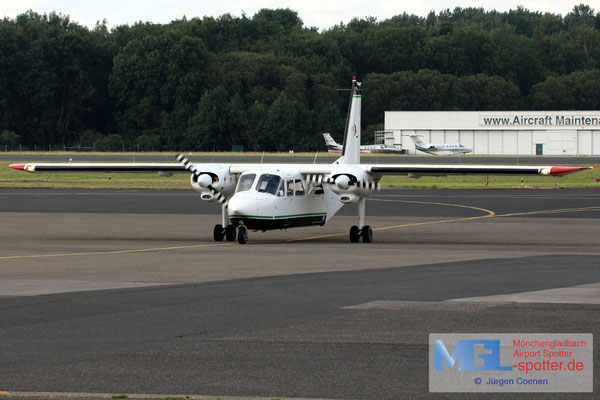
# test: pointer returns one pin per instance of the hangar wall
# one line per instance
(501, 132)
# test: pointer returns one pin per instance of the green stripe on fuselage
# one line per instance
(278, 216)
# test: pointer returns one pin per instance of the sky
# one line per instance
(314, 13)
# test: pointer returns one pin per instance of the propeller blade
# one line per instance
(188, 165)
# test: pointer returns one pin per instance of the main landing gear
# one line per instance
(228, 232)
(220, 233)
(361, 231)
(356, 233)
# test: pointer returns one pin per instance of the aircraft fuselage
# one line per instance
(266, 200)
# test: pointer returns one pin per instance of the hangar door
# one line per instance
(562, 142)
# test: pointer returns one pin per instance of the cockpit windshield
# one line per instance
(245, 182)
(270, 184)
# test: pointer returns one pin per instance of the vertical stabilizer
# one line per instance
(351, 149)
(417, 139)
(331, 144)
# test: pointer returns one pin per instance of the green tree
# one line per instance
(207, 129)
(9, 140)
(576, 91)
(155, 83)
(288, 126)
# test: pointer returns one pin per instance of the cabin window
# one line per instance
(245, 182)
(299, 188)
(272, 184)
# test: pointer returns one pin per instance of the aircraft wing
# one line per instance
(100, 167)
(442, 170)
(377, 169)
(167, 167)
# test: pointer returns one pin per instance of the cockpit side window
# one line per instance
(270, 184)
(245, 182)
(290, 187)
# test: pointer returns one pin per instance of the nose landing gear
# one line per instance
(242, 234)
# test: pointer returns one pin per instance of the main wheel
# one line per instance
(218, 233)
(242, 234)
(367, 234)
(230, 233)
(354, 234)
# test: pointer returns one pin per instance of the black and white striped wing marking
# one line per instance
(188, 165)
(369, 185)
(318, 179)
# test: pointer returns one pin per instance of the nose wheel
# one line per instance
(242, 234)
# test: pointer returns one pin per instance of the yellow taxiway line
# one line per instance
(488, 214)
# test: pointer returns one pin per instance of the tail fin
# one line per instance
(351, 149)
(330, 142)
(417, 140)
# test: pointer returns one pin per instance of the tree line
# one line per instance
(268, 82)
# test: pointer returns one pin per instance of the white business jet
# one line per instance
(335, 147)
(262, 197)
(442, 149)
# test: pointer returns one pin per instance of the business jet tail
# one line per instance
(332, 145)
(418, 141)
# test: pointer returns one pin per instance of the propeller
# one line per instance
(204, 180)
(343, 182)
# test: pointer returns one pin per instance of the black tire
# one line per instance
(242, 235)
(218, 233)
(367, 234)
(354, 234)
(230, 233)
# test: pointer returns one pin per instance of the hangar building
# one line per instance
(501, 132)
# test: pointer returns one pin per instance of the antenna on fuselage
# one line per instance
(315, 160)
(262, 158)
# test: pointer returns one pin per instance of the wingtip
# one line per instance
(18, 166)
(559, 171)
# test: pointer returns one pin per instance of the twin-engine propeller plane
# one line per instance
(262, 197)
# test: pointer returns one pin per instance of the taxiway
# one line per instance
(125, 291)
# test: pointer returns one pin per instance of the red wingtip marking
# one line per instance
(18, 166)
(565, 170)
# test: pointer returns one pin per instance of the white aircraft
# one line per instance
(262, 197)
(442, 149)
(335, 147)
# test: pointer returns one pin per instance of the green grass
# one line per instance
(583, 179)
(10, 178)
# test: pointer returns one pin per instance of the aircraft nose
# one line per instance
(240, 205)
(234, 206)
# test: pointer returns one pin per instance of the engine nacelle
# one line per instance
(217, 178)
(351, 183)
